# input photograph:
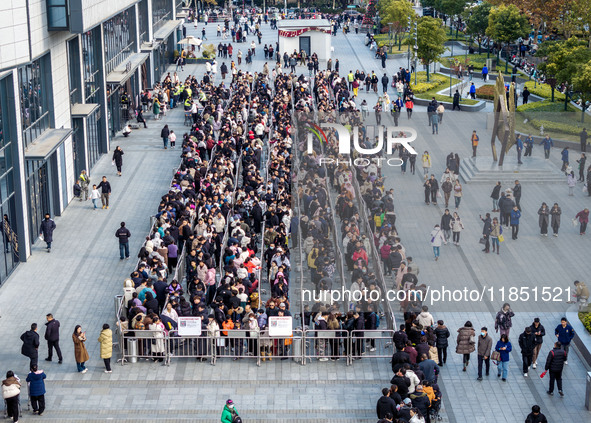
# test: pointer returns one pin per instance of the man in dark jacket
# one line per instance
(539, 332)
(486, 228)
(402, 382)
(47, 228)
(123, 234)
(105, 187)
(399, 358)
(429, 368)
(52, 336)
(496, 193)
(386, 405)
(535, 416)
(30, 346)
(446, 217)
(421, 401)
(517, 194)
(506, 204)
(554, 365)
(400, 337)
(527, 343)
(565, 333)
(484, 347)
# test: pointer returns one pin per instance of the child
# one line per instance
(172, 139)
(95, 195)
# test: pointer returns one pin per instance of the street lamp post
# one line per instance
(409, 30)
(415, 59)
(450, 66)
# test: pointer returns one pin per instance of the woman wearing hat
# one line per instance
(230, 414)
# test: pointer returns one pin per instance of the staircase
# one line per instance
(533, 170)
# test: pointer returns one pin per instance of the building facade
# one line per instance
(71, 74)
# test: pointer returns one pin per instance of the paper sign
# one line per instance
(189, 326)
(280, 326)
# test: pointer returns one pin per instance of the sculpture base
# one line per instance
(533, 170)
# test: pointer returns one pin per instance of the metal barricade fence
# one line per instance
(370, 344)
(237, 344)
(198, 347)
(281, 347)
(326, 344)
(144, 344)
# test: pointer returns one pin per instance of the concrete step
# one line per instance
(533, 170)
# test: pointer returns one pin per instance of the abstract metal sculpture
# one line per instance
(504, 118)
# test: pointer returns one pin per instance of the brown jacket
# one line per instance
(79, 350)
(465, 340)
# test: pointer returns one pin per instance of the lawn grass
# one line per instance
(552, 117)
(443, 83)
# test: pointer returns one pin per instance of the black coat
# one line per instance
(30, 344)
(403, 384)
(123, 234)
(118, 157)
(496, 192)
(400, 337)
(386, 405)
(421, 401)
(47, 227)
(555, 360)
(527, 343)
(52, 331)
(441, 334)
(539, 339)
(399, 358)
(164, 133)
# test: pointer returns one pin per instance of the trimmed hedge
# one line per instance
(543, 90)
(486, 92)
(545, 106)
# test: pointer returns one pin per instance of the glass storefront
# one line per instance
(38, 195)
(10, 243)
(93, 131)
(35, 94)
(119, 39)
(91, 55)
(78, 148)
(74, 71)
(163, 57)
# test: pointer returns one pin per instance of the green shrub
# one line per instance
(586, 320)
(545, 106)
(565, 128)
(543, 90)
(208, 51)
(486, 92)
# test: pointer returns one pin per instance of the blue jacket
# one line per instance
(547, 143)
(484, 70)
(504, 353)
(565, 155)
(515, 215)
(565, 334)
(36, 384)
(472, 89)
(519, 143)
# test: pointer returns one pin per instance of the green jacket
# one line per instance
(227, 414)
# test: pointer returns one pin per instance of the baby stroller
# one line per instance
(434, 410)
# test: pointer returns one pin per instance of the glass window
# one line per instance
(179, 5)
(74, 71)
(91, 55)
(93, 137)
(119, 39)
(160, 13)
(35, 96)
(57, 15)
(143, 21)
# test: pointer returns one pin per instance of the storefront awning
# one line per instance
(167, 29)
(124, 71)
(82, 110)
(47, 143)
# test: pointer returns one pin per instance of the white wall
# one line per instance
(96, 11)
(320, 43)
(14, 34)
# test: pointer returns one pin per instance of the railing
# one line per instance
(254, 345)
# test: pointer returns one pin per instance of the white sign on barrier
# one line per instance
(189, 326)
(280, 326)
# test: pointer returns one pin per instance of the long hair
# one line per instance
(76, 329)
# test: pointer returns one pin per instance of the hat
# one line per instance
(407, 401)
(211, 316)
(282, 305)
(229, 402)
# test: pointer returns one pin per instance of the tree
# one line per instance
(582, 83)
(452, 8)
(431, 39)
(397, 13)
(564, 59)
(477, 21)
(370, 13)
(506, 24)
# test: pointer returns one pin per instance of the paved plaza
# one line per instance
(78, 280)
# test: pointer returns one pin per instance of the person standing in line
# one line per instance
(504, 348)
(47, 228)
(164, 135)
(105, 339)
(583, 217)
(80, 352)
(426, 159)
(446, 222)
(30, 346)
(496, 192)
(465, 343)
(172, 139)
(565, 334)
(503, 320)
(94, 196)
(11, 389)
(475, 140)
(514, 220)
(37, 390)
(441, 342)
(548, 143)
(555, 362)
(105, 187)
(456, 226)
(486, 228)
(437, 238)
(555, 220)
(527, 345)
(544, 219)
(539, 333)
(582, 160)
(457, 193)
(484, 349)
(118, 159)
(52, 336)
(123, 234)
(517, 194)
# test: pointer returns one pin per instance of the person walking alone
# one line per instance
(456, 228)
(583, 217)
(475, 140)
(484, 348)
(37, 390)
(105, 187)
(164, 135)
(80, 352)
(123, 234)
(466, 343)
(437, 238)
(105, 339)
(504, 348)
(503, 318)
(47, 228)
(514, 220)
(539, 332)
(548, 143)
(486, 228)
(441, 342)
(426, 160)
(30, 346)
(555, 362)
(565, 334)
(527, 344)
(118, 159)
(52, 336)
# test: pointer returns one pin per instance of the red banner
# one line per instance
(297, 32)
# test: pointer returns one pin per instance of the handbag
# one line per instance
(482, 241)
(575, 222)
(501, 238)
(495, 356)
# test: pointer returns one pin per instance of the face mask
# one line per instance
(231, 406)
(483, 334)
